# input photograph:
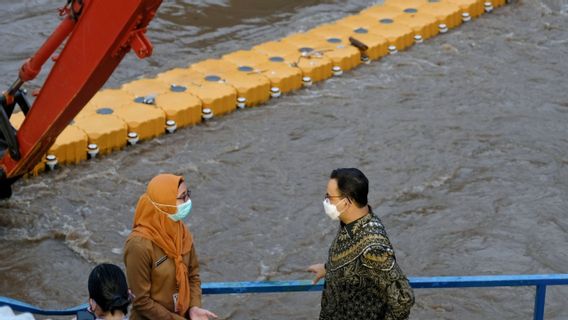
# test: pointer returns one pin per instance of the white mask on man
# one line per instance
(331, 210)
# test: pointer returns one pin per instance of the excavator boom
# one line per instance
(96, 34)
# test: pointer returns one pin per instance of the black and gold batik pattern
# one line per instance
(363, 280)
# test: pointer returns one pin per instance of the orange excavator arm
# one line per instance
(97, 36)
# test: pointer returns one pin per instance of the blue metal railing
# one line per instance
(538, 281)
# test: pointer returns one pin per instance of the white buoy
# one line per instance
(488, 6)
(171, 126)
(275, 92)
(92, 150)
(365, 60)
(418, 38)
(392, 49)
(466, 17)
(132, 138)
(307, 81)
(51, 161)
(443, 28)
(241, 102)
(207, 114)
(337, 70)
(149, 100)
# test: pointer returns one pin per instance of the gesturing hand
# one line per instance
(318, 270)
(196, 313)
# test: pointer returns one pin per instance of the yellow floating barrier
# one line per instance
(469, 8)
(144, 120)
(403, 5)
(17, 119)
(220, 98)
(382, 11)
(283, 77)
(344, 57)
(109, 98)
(448, 14)
(111, 115)
(398, 35)
(376, 44)
(146, 108)
(251, 86)
(106, 131)
(141, 118)
(425, 26)
(181, 107)
(70, 146)
(145, 88)
(315, 67)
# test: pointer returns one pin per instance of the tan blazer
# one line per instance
(152, 279)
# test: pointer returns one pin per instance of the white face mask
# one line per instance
(331, 210)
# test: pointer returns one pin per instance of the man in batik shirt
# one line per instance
(362, 278)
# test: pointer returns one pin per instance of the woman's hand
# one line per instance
(318, 270)
(196, 313)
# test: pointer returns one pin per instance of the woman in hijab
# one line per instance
(161, 263)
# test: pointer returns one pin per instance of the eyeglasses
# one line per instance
(184, 196)
(327, 196)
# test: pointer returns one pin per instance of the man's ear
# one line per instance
(346, 206)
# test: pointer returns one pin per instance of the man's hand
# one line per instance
(196, 313)
(318, 270)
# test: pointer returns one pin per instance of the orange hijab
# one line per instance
(151, 222)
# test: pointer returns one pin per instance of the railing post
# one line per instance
(539, 302)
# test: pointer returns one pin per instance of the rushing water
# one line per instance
(464, 140)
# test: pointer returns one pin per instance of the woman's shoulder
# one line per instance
(137, 243)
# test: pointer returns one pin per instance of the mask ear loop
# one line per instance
(346, 207)
(158, 205)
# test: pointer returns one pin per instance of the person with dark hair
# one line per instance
(362, 278)
(109, 297)
(161, 263)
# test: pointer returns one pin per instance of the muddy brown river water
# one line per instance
(464, 139)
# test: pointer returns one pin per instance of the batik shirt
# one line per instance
(363, 280)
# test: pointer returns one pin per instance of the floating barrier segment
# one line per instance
(282, 76)
(215, 95)
(540, 281)
(315, 66)
(105, 130)
(375, 45)
(252, 88)
(147, 108)
(343, 56)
